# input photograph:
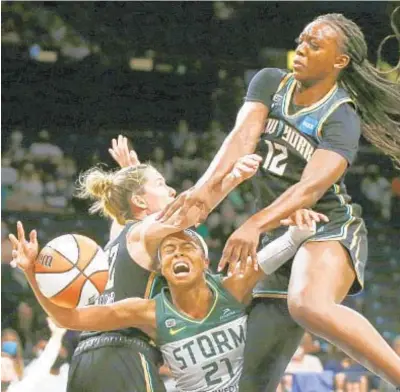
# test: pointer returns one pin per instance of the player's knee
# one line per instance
(307, 310)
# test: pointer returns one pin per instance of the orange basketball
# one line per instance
(71, 270)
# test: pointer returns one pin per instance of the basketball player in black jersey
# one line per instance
(307, 126)
(126, 360)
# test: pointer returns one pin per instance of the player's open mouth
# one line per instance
(181, 268)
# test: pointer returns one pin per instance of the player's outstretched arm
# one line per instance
(243, 277)
(151, 231)
(241, 141)
(323, 170)
(132, 312)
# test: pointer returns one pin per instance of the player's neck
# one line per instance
(195, 301)
(306, 94)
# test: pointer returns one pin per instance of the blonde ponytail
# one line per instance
(111, 191)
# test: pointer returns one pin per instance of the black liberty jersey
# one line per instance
(126, 279)
(291, 136)
(287, 143)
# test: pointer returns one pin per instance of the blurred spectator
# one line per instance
(29, 180)
(351, 376)
(179, 138)
(16, 313)
(58, 196)
(302, 362)
(38, 376)
(28, 190)
(310, 345)
(286, 383)
(43, 150)
(377, 190)
(15, 151)
(162, 165)
(11, 348)
(6, 246)
(67, 168)
(9, 176)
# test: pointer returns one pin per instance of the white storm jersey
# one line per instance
(205, 355)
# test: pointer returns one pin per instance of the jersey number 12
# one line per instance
(275, 161)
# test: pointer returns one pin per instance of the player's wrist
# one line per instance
(298, 235)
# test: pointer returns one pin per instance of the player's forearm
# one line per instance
(121, 314)
(300, 195)
(233, 147)
(220, 191)
(282, 249)
(240, 142)
(275, 254)
(61, 316)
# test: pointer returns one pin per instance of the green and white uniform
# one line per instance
(203, 355)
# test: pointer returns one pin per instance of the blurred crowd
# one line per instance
(38, 174)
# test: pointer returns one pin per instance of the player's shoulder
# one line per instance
(270, 75)
(347, 116)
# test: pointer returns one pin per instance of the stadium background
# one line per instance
(171, 77)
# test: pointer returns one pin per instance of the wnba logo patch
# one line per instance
(308, 125)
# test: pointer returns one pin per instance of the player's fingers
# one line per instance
(308, 220)
(233, 268)
(186, 206)
(14, 241)
(314, 216)
(125, 143)
(299, 220)
(249, 163)
(126, 148)
(254, 258)
(287, 222)
(246, 168)
(114, 144)
(112, 153)
(134, 158)
(254, 158)
(171, 208)
(33, 237)
(204, 211)
(243, 256)
(21, 232)
(323, 217)
(235, 254)
(248, 265)
(226, 254)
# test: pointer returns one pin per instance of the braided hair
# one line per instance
(377, 98)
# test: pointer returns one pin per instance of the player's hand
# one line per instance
(246, 167)
(24, 253)
(304, 219)
(121, 154)
(196, 197)
(241, 245)
(54, 329)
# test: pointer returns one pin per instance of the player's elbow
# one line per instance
(66, 322)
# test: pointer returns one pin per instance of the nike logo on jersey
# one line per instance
(173, 331)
